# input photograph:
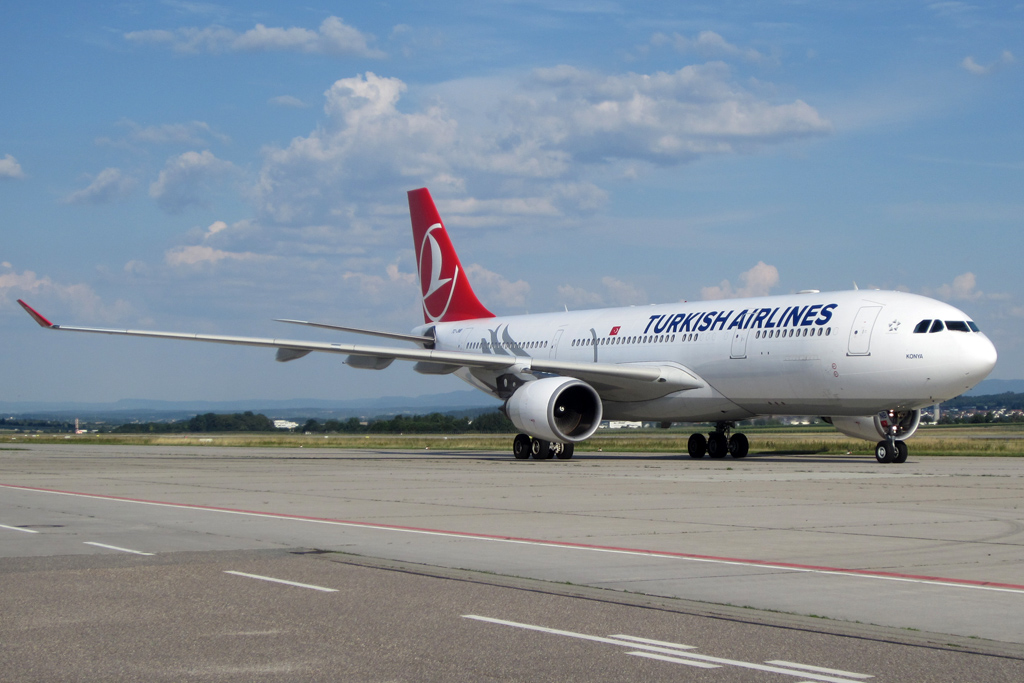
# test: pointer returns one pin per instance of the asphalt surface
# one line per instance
(115, 561)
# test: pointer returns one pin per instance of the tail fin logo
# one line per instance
(435, 284)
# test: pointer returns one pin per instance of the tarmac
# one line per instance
(927, 552)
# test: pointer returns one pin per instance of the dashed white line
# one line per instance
(18, 528)
(819, 669)
(659, 554)
(287, 583)
(662, 643)
(675, 655)
(675, 660)
(118, 548)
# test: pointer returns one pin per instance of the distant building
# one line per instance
(285, 424)
(624, 424)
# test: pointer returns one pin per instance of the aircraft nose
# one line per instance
(978, 358)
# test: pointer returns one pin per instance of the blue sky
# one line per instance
(209, 167)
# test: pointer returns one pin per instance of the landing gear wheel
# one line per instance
(541, 449)
(564, 451)
(901, 452)
(697, 446)
(738, 446)
(885, 452)
(521, 447)
(718, 445)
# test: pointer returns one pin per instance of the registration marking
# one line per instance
(284, 581)
(661, 554)
(118, 548)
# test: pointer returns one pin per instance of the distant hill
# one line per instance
(455, 402)
(997, 386)
(146, 410)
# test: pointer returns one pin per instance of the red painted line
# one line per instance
(768, 564)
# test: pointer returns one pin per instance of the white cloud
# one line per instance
(969, 64)
(709, 45)
(79, 297)
(662, 118)
(184, 179)
(108, 186)
(529, 145)
(758, 281)
(616, 293)
(623, 293)
(963, 288)
(496, 289)
(366, 145)
(199, 254)
(288, 101)
(334, 37)
(578, 297)
(10, 168)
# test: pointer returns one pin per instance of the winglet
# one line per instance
(43, 322)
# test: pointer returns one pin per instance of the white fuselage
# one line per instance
(827, 353)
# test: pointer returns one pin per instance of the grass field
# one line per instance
(980, 440)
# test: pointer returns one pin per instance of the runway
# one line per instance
(927, 555)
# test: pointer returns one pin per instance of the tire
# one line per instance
(738, 446)
(901, 452)
(521, 447)
(540, 449)
(718, 445)
(565, 452)
(884, 453)
(697, 446)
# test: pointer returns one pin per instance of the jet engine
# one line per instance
(559, 409)
(900, 423)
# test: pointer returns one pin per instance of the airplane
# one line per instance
(866, 361)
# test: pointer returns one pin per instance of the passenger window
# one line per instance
(957, 326)
(937, 326)
(922, 326)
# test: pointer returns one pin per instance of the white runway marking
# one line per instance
(675, 660)
(662, 643)
(541, 543)
(17, 528)
(822, 670)
(287, 583)
(114, 547)
(682, 656)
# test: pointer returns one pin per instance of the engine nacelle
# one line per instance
(900, 423)
(559, 409)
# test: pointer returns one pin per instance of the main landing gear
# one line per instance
(891, 450)
(718, 443)
(524, 446)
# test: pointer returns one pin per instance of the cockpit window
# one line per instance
(974, 328)
(937, 326)
(957, 326)
(922, 326)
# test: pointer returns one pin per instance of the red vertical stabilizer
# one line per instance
(447, 294)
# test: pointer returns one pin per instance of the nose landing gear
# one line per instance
(891, 450)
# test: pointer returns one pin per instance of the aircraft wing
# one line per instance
(647, 380)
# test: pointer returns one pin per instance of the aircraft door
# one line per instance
(553, 352)
(739, 344)
(860, 334)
